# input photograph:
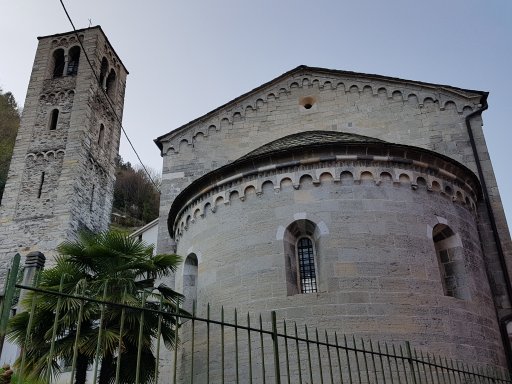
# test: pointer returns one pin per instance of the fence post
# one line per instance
(9, 290)
(411, 363)
(34, 262)
(277, 369)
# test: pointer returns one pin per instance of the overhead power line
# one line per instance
(107, 97)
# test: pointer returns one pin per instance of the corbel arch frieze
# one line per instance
(441, 98)
(46, 155)
(343, 174)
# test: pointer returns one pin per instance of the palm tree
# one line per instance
(114, 268)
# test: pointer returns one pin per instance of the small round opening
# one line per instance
(307, 102)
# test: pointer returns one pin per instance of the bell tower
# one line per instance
(62, 172)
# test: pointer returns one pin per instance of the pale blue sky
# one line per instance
(188, 57)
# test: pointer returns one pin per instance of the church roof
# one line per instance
(461, 92)
(310, 138)
(307, 147)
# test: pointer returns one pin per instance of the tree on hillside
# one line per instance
(108, 265)
(9, 123)
(135, 194)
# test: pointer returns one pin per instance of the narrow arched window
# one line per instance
(54, 118)
(103, 71)
(41, 183)
(190, 282)
(450, 258)
(111, 84)
(300, 248)
(101, 135)
(58, 63)
(74, 58)
(306, 258)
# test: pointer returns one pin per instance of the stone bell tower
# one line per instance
(62, 171)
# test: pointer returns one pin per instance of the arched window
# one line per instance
(450, 257)
(74, 59)
(307, 271)
(101, 135)
(190, 282)
(103, 72)
(300, 247)
(111, 84)
(54, 118)
(58, 63)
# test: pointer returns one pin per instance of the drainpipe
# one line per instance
(490, 213)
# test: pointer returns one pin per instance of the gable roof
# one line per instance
(321, 71)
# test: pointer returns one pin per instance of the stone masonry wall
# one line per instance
(377, 269)
(422, 115)
(79, 172)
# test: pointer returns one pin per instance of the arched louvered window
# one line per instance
(103, 71)
(74, 59)
(111, 84)
(58, 63)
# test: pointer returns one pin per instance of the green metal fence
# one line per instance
(212, 349)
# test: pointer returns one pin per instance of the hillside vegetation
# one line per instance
(136, 198)
(9, 123)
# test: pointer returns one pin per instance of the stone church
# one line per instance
(356, 202)
(359, 203)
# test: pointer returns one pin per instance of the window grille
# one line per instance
(306, 265)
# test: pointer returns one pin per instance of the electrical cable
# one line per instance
(108, 98)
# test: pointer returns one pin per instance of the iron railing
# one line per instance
(248, 349)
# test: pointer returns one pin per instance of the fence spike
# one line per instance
(158, 337)
(141, 334)
(329, 357)
(348, 359)
(176, 342)
(275, 342)
(298, 353)
(236, 346)
(121, 331)
(388, 357)
(381, 362)
(249, 346)
(9, 289)
(222, 340)
(338, 356)
(77, 335)
(365, 361)
(309, 355)
(396, 357)
(373, 361)
(357, 359)
(29, 327)
(193, 342)
(262, 351)
(208, 343)
(319, 357)
(286, 351)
